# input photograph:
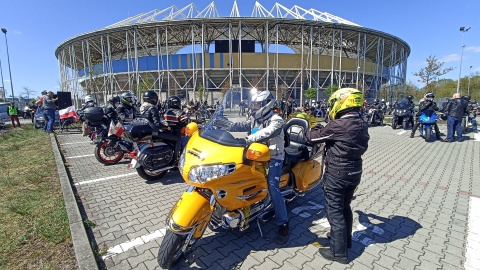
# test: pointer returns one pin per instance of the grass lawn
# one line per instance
(34, 229)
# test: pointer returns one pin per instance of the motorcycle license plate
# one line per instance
(133, 164)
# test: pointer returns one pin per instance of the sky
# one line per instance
(36, 28)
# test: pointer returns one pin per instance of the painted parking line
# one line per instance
(74, 143)
(91, 155)
(401, 132)
(104, 179)
(472, 248)
(118, 249)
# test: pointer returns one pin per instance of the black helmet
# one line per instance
(376, 100)
(174, 102)
(467, 98)
(410, 97)
(114, 100)
(150, 97)
(127, 98)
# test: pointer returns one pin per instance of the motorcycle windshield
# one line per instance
(402, 104)
(229, 124)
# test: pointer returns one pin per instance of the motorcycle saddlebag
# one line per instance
(93, 114)
(307, 174)
(156, 157)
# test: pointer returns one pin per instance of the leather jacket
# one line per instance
(150, 112)
(346, 141)
(456, 107)
(271, 131)
(125, 112)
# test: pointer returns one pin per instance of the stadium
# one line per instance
(198, 53)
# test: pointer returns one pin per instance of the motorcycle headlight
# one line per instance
(181, 161)
(204, 173)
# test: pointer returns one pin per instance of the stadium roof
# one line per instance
(259, 11)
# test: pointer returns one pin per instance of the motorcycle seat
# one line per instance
(296, 150)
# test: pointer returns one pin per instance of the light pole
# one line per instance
(469, 75)
(4, 96)
(8, 58)
(463, 30)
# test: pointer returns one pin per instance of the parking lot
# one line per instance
(414, 209)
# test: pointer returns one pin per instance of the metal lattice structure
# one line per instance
(295, 49)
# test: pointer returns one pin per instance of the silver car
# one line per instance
(4, 118)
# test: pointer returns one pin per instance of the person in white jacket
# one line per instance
(267, 126)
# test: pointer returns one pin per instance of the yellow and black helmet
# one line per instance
(343, 100)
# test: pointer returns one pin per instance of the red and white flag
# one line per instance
(68, 112)
(116, 130)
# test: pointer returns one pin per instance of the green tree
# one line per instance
(431, 72)
(201, 93)
(311, 93)
(146, 84)
(330, 90)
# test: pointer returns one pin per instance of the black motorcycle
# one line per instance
(154, 154)
(95, 124)
(112, 149)
(375, 117)
(401, 117)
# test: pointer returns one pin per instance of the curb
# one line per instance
(81, 245)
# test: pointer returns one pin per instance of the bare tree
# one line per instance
(432, 71)
(27, 91)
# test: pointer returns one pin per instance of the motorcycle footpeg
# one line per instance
(267, 216)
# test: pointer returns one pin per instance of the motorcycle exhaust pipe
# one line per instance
(162, 169)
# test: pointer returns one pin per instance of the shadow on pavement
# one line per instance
(228, 249)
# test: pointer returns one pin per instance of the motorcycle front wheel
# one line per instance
(394, 124)
(106, 154)
(404, 125)
(171, 249)
(148, 175)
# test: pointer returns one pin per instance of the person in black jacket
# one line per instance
(346, 138)
(455, 110)
(149, 111)
(126, 110)
(427, 106)
(110, 109)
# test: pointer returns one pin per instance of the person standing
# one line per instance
(346, 140)
(12, 111)
(49, 108)
(455, 110)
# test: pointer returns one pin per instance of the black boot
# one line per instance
(328, 254)
(283, 234)
(412, 135)
(349, 245)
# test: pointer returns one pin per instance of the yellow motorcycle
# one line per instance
(227, 182)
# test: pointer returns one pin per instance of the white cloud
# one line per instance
(451, 58)
(475, 49)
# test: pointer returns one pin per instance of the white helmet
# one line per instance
(88, 99)
(383, 100)
(262, 97)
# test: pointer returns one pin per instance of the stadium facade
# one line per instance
(187, 51)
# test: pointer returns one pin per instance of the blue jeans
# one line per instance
(273, 179)
(474, 122)
(454, 124)
(50, 119)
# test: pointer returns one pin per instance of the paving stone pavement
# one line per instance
(411, 211)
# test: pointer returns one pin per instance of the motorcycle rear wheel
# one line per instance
(171, 249)
(394, 124)
(428, 134)
(112, 156)
(147, 175)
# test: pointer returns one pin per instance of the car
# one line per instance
(40, 122)
(4, 118)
